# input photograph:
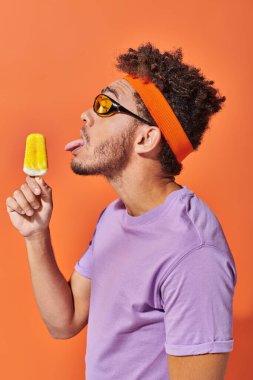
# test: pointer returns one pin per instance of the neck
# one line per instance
(141, 191)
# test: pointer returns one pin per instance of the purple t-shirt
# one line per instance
(162, 283)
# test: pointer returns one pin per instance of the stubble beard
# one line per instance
(110, 158)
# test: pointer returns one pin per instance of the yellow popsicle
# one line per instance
(35, 162)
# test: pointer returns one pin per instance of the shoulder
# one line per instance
(196, 206)
(204, 219)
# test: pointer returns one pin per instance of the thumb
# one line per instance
(46, 191)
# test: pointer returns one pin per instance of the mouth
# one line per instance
(74, 146)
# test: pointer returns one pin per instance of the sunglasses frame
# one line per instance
(118, 108)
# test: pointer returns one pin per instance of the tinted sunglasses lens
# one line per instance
(102, 105)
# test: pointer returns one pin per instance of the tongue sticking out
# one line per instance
(74, 144)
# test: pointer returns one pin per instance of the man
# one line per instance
(162, 274)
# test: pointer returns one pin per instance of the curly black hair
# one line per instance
(188, 92)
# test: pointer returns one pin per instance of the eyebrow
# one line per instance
(112, 90)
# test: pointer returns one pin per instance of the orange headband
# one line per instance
(164, 116)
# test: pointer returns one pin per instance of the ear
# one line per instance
(147, 139)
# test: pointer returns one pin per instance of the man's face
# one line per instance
(108, 140)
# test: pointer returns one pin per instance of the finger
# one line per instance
(38, 182)
(33, 185)
(12, 205)
(29, 195)
(22, 202)
(46, 191)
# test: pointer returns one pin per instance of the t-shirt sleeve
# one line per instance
(197, 298)
(85, 262)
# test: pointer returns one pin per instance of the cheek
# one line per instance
(99, 134)
(105, 128)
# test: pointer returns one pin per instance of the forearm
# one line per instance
(52, 292)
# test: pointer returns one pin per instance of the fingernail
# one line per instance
(36, 190)
(29, 212)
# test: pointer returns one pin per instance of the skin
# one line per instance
(126, 154)
(198, 367)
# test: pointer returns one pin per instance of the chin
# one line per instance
(79, 169)
(76, 167)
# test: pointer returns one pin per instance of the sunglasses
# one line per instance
(104, 106)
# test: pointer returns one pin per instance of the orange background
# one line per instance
(55, 57)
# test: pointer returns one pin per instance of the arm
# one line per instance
(198, 367)
(63, 305)
(52, 292)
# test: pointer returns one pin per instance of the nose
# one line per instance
(86, 116)
(83, 116)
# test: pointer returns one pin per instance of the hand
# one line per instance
(30, 211)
